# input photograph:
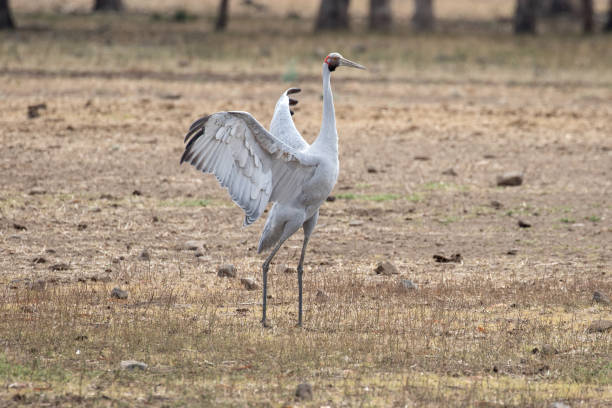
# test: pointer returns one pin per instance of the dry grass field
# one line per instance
(92, 198)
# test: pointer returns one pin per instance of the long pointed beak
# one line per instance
(348, 63)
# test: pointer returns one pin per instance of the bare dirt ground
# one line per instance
(92, 197)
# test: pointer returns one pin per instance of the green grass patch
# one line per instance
(13, 372)
(593, 218)
(567, 220)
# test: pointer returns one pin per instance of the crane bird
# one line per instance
(257, 166)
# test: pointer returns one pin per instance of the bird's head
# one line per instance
(335, 60)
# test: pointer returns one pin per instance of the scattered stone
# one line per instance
(304, 392)
(372, 169)
(59, 267)
(601, 297)
(559, 404)
(355, 223)
(194, 245)
(321, 297)
(422, 158)
(600, 326)
(37, 191)
(249, 283)
(39, 260)
(226, 271)
(106, 196)
(453, 258)
(546, 350)
(144, 255)
(496, 204)
(81, 337)
(386, 268)
(450, 172)
(282, 268)
(513, 178)
(330, 199)
(82, 226)
(34, 110)
(133, 364)
(19, 227)
(523, 224)
(408, 284)
(155, 218)
(512, 252)
(18, 385)
(136, 193)
(198, 254)
(38, 285)
(118, 293)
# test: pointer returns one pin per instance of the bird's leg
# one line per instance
(308, 228)
(264, 268)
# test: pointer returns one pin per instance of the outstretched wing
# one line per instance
(253, 165)
(282, 126)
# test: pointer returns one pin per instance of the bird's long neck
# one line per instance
(328, 136)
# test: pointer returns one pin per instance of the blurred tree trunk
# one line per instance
(587, 16)
(333, 15)
(380, 14)
(108, 5)
(222, 15)
(6, 19)
(525, 16)
(423, 17)
(608, 25)
(556, 7)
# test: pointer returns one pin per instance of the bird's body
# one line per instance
(257, 167)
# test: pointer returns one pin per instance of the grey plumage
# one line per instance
(257, 167)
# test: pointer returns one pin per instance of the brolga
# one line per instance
(258, 166)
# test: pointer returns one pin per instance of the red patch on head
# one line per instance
(326, 60)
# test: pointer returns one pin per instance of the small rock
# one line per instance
(442, 259)
(512, 252)
(321, 297)
(513, 178)
(34, 110)
(450, 172)
(38, 285)
(422, 158)
(144, 255)
(601, 297)
(136, 193)
(60, 267)
(37, 191)
(549, 350)
(194, 245)
(82, 226)
(282, 268)
(119, 293)
(386, 268)
(133, 364)
(19, 227)
(523, 224)
(372, 169)
(304, 391)
(355, 223)
(39, 260)
(496, 204)
(198, 254)
(408, 284)
(600, 326)
(249, 283)
(559, 404)
(330, 199)
(226, 271)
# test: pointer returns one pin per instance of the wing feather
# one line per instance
(282, 125)
(252, 164)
